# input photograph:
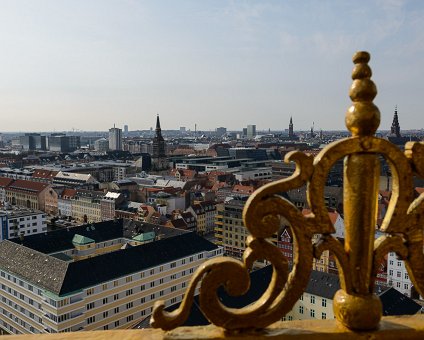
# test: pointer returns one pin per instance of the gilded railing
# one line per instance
(355, 304)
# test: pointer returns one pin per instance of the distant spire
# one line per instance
(157, 122)
(395, 129)
(291, 133)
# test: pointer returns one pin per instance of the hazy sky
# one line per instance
(89, 64)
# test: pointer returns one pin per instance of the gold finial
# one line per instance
(363, 117)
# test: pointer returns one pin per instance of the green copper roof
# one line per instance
(79, 239)
(145, 237)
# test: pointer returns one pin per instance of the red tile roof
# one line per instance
(68, 192)
(5, 181)
(27, 186)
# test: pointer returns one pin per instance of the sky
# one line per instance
(88, 64)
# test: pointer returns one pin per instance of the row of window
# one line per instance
(312, 313)
(312, 300)
(399, 274)
(151, 272)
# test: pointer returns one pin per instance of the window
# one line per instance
(142, 287)
(128, 279)
(391, 272)
(90, 305)
(116, 310)
(104, 287)
(105, 315)
(173, 264)
(324, 302)
(130, 318)
(160, 281)
(391, 262)
(152, 271)
(399, 263)
(106, 327)
(301, 309)
(313, 299)
(324, 316)
(152, 284)
(142, 300)
(406, 276)
(405, 286)
(115, 283)
(130, 305)
(173, 288)
(152, 296)
(312, 313)
(141, 275)
(397, 284)
(115, 297)
(128, 292)
(91, 319)
(398, 274)
(105, 301)
(116, 323)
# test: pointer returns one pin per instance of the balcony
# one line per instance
(357, 309)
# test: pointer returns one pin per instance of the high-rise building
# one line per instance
(59, 142)
(251, 131)
(33, 141)
(221, 131)
(126, 129)
(115, 138)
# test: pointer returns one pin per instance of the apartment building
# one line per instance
(93, 277)
(317, 300)
(86, 206)
(230, 231)
(21, 222)
(204, 212)
(398, 277)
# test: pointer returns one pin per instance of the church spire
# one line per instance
(291, 133)
(395, 129)
(157, 123)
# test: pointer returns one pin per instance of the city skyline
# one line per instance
(87, 65)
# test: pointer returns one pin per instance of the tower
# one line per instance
(395, 129)
(115, 138)
(291, 134)
(158, 158)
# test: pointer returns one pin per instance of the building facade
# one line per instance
(57, 290)
(115, 139)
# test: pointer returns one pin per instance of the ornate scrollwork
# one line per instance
(355, 305)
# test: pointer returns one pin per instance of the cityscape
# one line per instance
(153, 150)
(98, 226)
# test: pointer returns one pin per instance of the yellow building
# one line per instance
(71, 280)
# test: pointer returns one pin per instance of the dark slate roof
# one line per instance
(323, 284)
(62, 277)
(44, 271)
(320, 283)
(395, 303)
(59, 240)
